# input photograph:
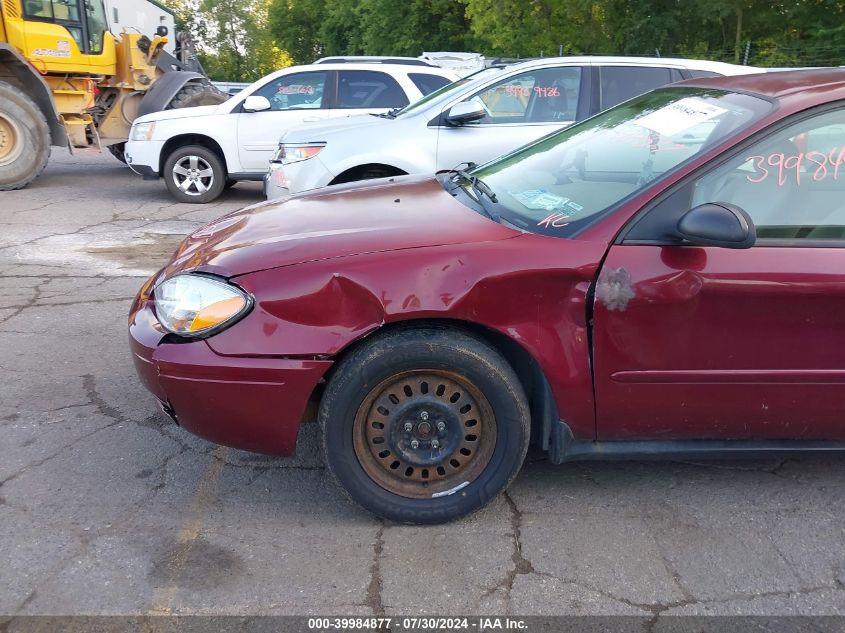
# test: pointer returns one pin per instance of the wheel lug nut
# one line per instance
(415, 444)
(424, 415)
(408, 427)
(441, 426)
(435, 444)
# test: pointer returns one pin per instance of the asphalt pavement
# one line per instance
(106, 507)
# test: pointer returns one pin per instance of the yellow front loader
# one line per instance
(65, 80)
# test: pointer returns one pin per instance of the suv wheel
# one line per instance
(194, 174)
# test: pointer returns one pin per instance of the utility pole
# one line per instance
(747, 53)
(738, 41)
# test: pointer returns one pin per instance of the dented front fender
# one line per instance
(531, 288)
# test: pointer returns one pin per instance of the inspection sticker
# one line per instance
(539, 199)
(679, 116)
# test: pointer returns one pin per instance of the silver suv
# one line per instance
(474, 119)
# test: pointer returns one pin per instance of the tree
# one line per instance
(539, 27)
(295, 26)
(412, 27)
(244, 39)
(233, 37)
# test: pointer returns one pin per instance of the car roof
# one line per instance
(694, 64)
(816, 85)
(400, 67)
(371, 59)
(396, 68)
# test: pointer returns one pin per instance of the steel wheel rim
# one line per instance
(11, 146)
(193, 175)
(450, 419)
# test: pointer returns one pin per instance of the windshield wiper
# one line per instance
(478, 185)
(390, 114)
(479, 188)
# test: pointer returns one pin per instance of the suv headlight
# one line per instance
(143, 131)
(290, 153)
(193, 305)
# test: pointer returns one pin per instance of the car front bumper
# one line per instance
(254, 404)
(276, 183)
(144, 157)
(285, 179)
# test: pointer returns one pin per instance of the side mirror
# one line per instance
(717, 224)
(465, 112)
(256, 103)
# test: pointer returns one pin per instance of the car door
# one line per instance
(367, 91)
(520, 109)
(294, 99)
(698, 342)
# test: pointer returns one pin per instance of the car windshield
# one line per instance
(563, 181)
(433, 96)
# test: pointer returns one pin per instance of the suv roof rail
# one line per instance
(507, 61)
(406, 61)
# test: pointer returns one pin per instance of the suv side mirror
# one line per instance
(717, 224)
(256, 103)
(465, 112)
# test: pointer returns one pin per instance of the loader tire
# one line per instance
(24, 138)
(117, 151)
(197, 94)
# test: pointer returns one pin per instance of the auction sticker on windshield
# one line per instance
(679, 116)
(539, 199)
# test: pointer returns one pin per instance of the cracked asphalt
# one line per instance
(108, 508)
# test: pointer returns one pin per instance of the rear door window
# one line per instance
(427, 83)
(620, 83)
(368, 89)
(700, 74)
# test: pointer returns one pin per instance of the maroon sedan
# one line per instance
(666, 278)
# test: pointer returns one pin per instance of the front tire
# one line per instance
(117, 150)
(194, 174)
(24, 138)
(197, 94)
(424, 425)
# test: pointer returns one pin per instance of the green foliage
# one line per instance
(234, 41)
(242, 39)
(295, 25)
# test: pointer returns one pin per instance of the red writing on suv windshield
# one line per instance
(813, 164)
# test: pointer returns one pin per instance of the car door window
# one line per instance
(428, 83)
(368, 89)
(792, 183)
(546, 95)
(300, 91)
(701, 74)
(620, 83)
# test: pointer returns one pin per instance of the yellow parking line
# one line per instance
(164, 598)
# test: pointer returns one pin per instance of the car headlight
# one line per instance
(295, 153)
(143, 131)
(193, 305)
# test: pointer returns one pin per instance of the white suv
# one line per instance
(200, 151)
(475, 120)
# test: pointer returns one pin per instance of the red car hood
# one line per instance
(405, 212)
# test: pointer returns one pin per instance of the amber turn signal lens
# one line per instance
(217, 313)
